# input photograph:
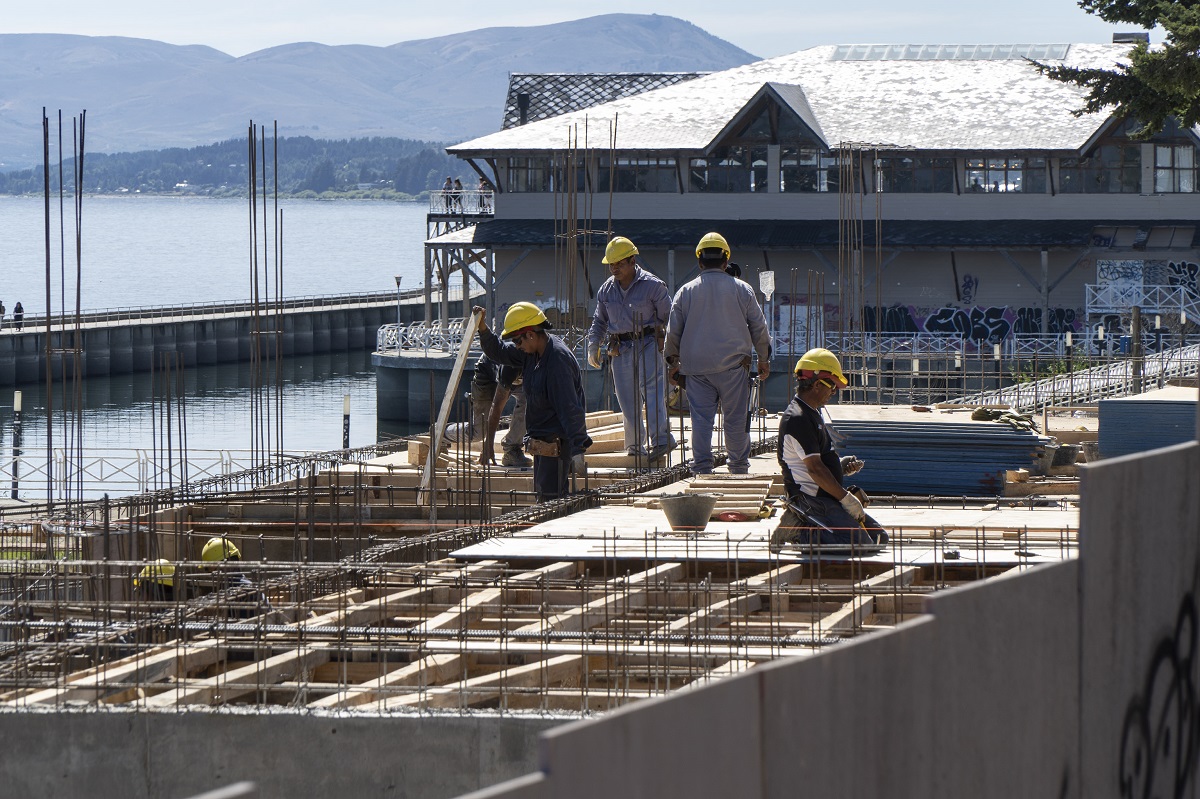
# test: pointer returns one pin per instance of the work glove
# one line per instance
(578, 465)
(594, 356)
(851, 465)
(853, 506)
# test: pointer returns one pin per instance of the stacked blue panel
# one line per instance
(1133, 425)
(936, 458)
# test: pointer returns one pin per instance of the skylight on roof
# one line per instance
(949, 52)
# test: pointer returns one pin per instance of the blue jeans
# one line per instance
(731, 390)
(640, 384)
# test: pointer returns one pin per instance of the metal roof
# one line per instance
(804, 234)
(551, 94)
(958, 104)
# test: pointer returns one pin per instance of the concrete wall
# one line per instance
(1077, 679)
(130, 754)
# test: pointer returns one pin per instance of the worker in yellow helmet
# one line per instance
(632, 307)
(716, 328)
(155, 581)
(555, 406)
(822, 512)
(218, 548)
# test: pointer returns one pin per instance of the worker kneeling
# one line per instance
(821, 511)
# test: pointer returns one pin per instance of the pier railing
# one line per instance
(147, 312)
(404, 339)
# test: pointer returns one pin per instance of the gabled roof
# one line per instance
(551, 94)
(952, 103)
(787, 95)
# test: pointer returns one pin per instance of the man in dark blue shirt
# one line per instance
(555, 406)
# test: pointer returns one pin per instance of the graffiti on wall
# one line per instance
(966, 291)
(1120, 275)
(1184, 274)
(984, 324)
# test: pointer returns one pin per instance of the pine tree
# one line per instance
(1156, 83)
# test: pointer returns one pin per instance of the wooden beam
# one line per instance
(245, 680)
(625, 593)
(465, 693)
(429, 670)
(115, 678)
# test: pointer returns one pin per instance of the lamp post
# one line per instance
(346, 421)
(16, 443)
(398, 298)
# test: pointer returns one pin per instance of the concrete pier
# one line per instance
(113, 344)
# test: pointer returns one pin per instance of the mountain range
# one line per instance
(147, 95)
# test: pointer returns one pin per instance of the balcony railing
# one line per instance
(468, 202)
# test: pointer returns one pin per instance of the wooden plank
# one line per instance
(439, 429)
(626, 593)
(729, 667)
(487, 687)
(429, 670)
(241, 681)
(106, 681)
(473, 604)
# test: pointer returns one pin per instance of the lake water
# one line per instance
(144, 251)
(139, 251)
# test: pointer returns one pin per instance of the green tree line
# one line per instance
(300, 166)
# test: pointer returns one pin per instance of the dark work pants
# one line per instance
(551, 475)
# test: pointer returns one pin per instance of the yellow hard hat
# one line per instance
(618, 249)
(520, 316)
(712, 241)
(160, 571)
(218, 548)
(820, 362)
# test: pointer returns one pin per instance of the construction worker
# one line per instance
(632, 308)
(491, 386)
(223, 557)
(555, 408)
(156, 581)
(822, 510)
(715, 327)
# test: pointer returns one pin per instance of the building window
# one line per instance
(637, 174)
(1174, 168)
(730, 169)
(529, 174)
(807, 169)
(1005, 174)
(909, 174)
(1111, 169)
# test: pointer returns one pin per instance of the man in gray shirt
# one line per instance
(714, 353)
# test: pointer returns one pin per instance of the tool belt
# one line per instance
(640, 334)
(540, 448)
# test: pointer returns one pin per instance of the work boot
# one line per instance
(515, 459)
(661, 450)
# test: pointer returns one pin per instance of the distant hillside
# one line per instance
(147, 95)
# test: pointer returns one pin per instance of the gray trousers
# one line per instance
(731, 390)
(481, 405)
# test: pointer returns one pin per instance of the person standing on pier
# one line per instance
(2, 314)
(555, 410)
(448, 194)
(632, 308)
(812, 471)
(716, 326)
(19, 316)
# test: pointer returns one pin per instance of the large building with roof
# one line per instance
(890, 189)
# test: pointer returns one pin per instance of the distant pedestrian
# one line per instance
(485, 196)
(19, 315)
(1, 314)
(448, 194)
(457, 195)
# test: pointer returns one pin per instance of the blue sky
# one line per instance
(774, 27)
